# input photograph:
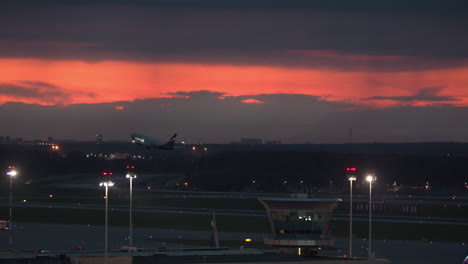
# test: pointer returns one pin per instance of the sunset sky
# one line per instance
(216, 71)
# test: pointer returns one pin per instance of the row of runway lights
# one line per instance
(101, 155)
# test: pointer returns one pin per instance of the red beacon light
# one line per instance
(107, 173)
(11, 167)
(351, 169)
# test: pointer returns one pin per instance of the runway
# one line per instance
(232, 212)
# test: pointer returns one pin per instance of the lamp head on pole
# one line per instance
(370, 178)
(352, 178)
(12, 173)
(106, 183)
(130, 175)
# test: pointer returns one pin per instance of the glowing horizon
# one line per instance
(78, 82)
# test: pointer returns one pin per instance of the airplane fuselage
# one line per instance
(149, 142)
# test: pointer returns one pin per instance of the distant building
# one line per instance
(273, 142)
(99, 138)
(2, 139)
(7, 138)
(251, 141)
(50, 139)
(118, 156)
(19, 139)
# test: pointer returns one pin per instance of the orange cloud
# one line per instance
(252, 101)
(112, 81)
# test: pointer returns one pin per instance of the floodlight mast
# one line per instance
(131, 176)
(12, 173)
(370, 179)
(106, 185)
(351, 179)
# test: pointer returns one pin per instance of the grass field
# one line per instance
(140, 219)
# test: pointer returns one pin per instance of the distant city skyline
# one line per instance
(218, 71)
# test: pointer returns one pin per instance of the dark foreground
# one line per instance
(62, 239)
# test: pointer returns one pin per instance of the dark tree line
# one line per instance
(267, 171)
(286, 171)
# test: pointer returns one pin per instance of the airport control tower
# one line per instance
(299, 224)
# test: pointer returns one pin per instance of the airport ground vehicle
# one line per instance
(3, 225)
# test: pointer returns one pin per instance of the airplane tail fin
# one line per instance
(170, 143)
(214, 232)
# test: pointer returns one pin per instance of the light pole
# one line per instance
(370, 179)
(351, 179)
(106, 184)
(130, 176)
(12, 173)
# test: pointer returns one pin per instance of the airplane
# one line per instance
(465, 261)
(148, 142)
